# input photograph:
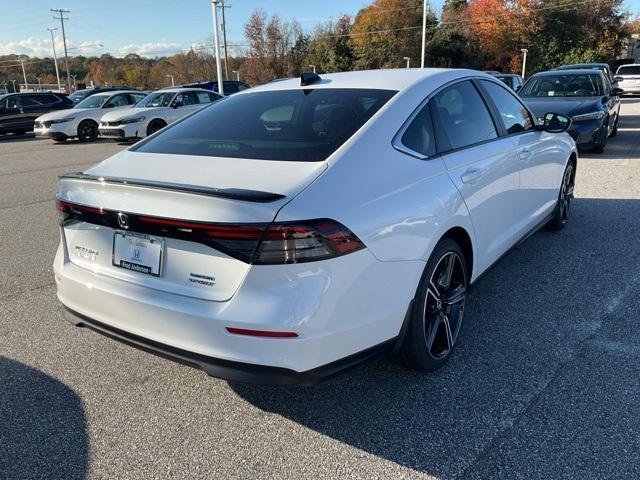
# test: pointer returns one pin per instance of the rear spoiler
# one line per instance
(256, 196)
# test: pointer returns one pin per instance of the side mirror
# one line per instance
(555, 123)
(616, 92)
(618, 78)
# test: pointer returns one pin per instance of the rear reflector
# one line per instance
(257, 243)
(261, 333)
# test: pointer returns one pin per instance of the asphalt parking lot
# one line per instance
(544, 382)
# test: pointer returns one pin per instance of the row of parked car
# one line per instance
(120, 114)
(588, 93)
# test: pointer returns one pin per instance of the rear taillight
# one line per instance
(259, 243)
(306, 241)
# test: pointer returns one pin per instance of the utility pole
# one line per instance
(24, 74)
(237, 74)
(216, 45)
(424, 31)
(524, 60)
(313, 67)
(55, 58)
(224, 40)
(408, 60)
(61, 12)
(193, 63)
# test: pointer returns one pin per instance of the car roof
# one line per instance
(108, 93)
(630, 65)
(388, 79)
(182, 89)
(577, 66)
(573, 71)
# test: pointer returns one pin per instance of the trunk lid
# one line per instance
(187, 188)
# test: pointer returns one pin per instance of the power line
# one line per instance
(61, 12)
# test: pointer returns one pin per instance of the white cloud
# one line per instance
(41, 47)
(151, 49)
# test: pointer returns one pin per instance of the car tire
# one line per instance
(561, 212)
(438, 309)
(87, 131)
(614, 132)
(20, 132)
(154, 126)
(604, 135)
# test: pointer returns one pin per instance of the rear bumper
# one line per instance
(338, 308)
(229, 370)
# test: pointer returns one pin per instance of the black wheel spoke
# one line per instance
(444, 305)
(445, 280)
(448, 334)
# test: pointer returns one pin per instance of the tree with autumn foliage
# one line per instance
(386, 31)
(503, 27)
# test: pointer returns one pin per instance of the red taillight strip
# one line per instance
(64, 206)
(261, 333)
(219, 231)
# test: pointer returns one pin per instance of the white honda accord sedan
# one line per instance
(292, 230)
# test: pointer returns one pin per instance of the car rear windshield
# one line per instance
(294, 125)
(572, 85)
(629, 70)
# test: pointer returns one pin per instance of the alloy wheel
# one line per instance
(88, 131)
(444, 305)
(566, 194)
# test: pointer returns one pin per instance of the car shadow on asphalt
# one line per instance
(525, 322)
(42, 426)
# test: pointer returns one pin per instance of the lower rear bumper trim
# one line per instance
(226, 369)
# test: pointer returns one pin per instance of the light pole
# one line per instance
(24, 74)
(14, 85)
(424, 31)
(55, 58)
(237, 74)
(407, 59)
(313, 68)
(216, 45)
(75, 88)
(39, 84)
(524, 60)
(173, 84)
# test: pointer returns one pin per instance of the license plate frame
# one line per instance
(138, 253)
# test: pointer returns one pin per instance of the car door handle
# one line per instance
(524, 154)
(470, 175)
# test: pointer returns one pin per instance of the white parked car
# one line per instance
(81, 121)
(289, 231)
(155, 111)
(628, 78)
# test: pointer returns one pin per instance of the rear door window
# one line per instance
(462, 115)
(292, 125)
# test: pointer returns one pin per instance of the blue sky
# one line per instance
(151, 27)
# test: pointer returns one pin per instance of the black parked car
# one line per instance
(586, 96)
(603, 67)
(230, 86)
(19, 110)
